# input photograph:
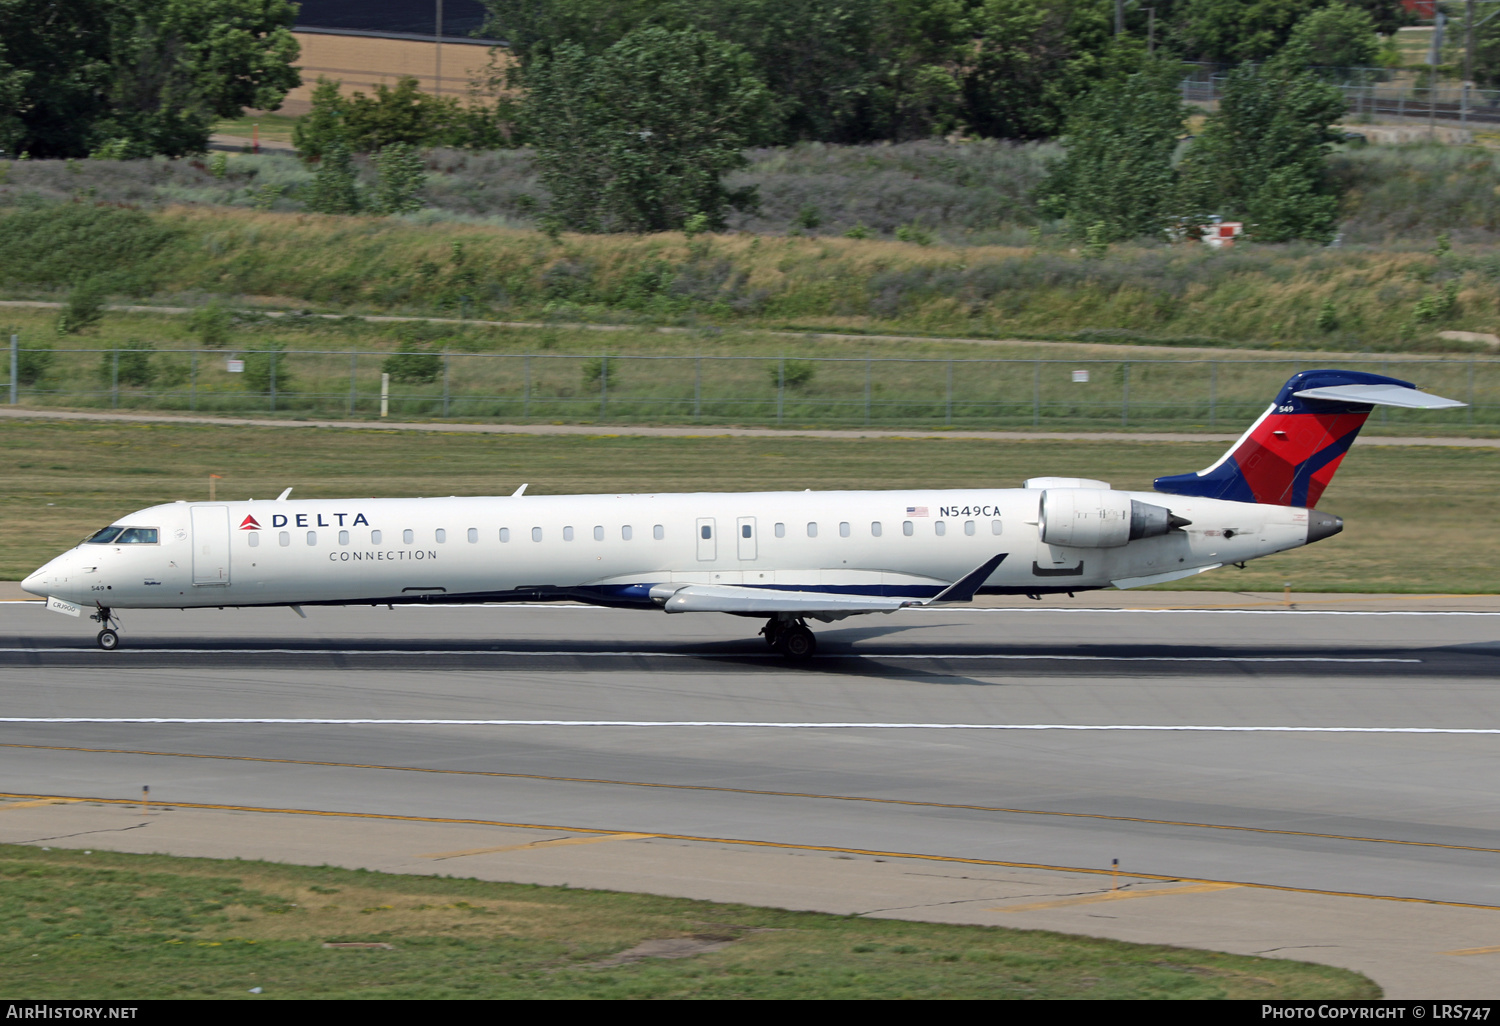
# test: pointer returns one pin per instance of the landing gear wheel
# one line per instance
(108, 640)
(798, 643)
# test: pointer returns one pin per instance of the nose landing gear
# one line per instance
(790, 637)
(109, 638)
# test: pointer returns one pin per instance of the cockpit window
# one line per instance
(137, 536)
(117, 535)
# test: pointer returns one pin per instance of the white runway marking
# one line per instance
(734, 724)
(720, 655)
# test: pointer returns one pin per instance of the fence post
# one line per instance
(445, 384)
(780, 386)
(869, 365)
(353, 399)
(273, 381)
(193, 383)
(1125, 395)
(1213, 391)
(1036, 393)
(15, 367)
(948, 404)
(697, 386)
(526, 396)
(1468, 413)
(114, 382)
(603, 385)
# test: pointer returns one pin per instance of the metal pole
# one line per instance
(780, 386)
(1036, 393)
(15, 367)
(1468, 58)
(603, 385)
(385, 394)
(526, 401)
(353, 399)
(697, 386)
(273, 381)
(437, 48)
(1125, 396)
(114, 384)
(445, 384)
(948, 406)
(193, 383)
(868, 367)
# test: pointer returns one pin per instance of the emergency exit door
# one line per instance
(210, 545)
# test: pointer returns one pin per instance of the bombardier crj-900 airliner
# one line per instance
(787, 557)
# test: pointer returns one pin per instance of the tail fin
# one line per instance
(1289, 455)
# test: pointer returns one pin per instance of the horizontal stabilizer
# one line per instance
(1380, 395)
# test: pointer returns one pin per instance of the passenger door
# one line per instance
(210, 545)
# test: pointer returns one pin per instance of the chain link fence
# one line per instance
(1170, 394)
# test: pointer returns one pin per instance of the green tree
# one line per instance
(1263, 154)
(1116, 179)
(334, 188)
(136, 77)
(401, 174)
(1239, 30)
(324, 124)
(640, 137)
(412, 363)
(1338, 36)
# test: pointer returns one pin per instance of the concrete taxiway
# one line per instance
(1314, 783)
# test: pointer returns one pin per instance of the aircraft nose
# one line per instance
(36, 584)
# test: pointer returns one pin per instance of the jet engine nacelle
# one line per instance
(1091, 518)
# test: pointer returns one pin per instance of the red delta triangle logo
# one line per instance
(249, 524)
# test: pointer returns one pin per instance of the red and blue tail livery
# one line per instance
(1289, 455)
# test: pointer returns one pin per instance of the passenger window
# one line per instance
(343, 537)
(312, 537)
(744, 530)
(844, 529)
(505, 534)
(374, 538)
(408, 536)
(473, 535)
(598, 533)
(536, 534)
(567, 534)
(625, 533)
(285, 538)
(255, 539)
(781, 530)
(658, 533)
(442, 536)
(969, 527)
(994, 527)
(812, 529)
(939, 528)
(875, 529)
(906, 528)
(708, 532)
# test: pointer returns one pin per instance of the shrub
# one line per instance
(401, 175)
(600, 368)
(34, 360)
(83, 309)
(211, 324)
(128, 364)
(334, 190)
(792, 373)
(260, 367)
(412, 364)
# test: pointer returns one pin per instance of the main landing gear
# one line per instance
(109, 638)
(790, 637)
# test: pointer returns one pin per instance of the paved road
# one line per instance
(1342, 754)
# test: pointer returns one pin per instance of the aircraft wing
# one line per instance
(731, 598)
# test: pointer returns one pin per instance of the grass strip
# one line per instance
(76, 925)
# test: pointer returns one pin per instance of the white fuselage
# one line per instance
(612, 549)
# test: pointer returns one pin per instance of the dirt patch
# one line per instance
(669, 947)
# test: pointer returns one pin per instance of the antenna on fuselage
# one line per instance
(519, 491)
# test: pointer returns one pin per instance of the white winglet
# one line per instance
(283, 495)
(519, 491)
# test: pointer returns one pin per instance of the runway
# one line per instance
(1285, 752)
